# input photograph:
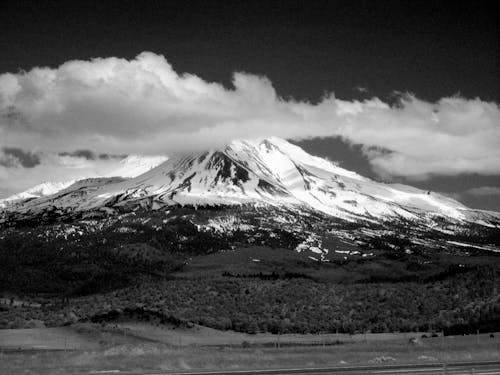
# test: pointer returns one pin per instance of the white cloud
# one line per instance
(143, 106)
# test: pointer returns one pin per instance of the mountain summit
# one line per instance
(266, 172)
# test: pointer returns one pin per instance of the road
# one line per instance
(458, 368)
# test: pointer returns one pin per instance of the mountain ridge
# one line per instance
(268, 171)
(129, 167)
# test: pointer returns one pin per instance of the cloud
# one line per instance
(361, 89)
(484, 191)
(17, 157)
(87, 154)
(118, 106)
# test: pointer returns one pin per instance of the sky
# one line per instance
(398, 91)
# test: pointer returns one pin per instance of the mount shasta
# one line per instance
(261, 173)
(261, 223)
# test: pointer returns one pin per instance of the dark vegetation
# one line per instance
(455, 305)
(160, 267)
(69, 263)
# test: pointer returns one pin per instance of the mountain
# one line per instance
(255, 231)
(130, 166)
(267, 172)
(40, 190)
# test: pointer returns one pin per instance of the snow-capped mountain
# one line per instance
(40, 190)
(130, 166)
(265, 172)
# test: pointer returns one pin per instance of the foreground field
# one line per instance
(85, 336)
(137, 347)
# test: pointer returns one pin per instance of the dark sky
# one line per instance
(430, 48)
(306, 48)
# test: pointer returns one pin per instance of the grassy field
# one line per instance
(88, 336)
(135, 346)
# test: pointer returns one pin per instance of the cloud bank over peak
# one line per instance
(118, 106)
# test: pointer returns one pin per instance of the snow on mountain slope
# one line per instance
(337, 191)
(135, 165)
(130, 166)
(260, 172)
(43, 189)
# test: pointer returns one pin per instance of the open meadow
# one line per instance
(131, 346)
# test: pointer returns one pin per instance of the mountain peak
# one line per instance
(268, 171)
